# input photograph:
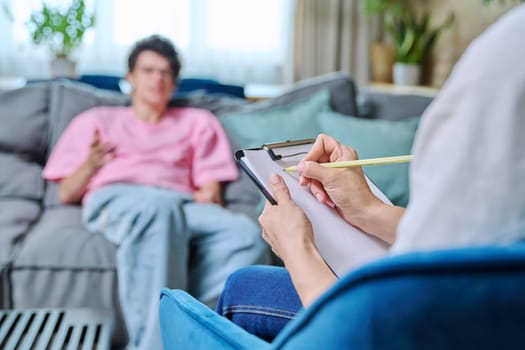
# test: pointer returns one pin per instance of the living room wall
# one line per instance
(472, 18)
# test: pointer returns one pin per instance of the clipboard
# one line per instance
(342, 246)
(281, 152)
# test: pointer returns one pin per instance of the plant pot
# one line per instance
(382, 57)
(407, 74)
(63, 67)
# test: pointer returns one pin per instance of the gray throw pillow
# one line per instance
(24, 120)
(20, 177)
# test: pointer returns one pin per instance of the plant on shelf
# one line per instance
(488, 2)
(412, 36)
(61, 29)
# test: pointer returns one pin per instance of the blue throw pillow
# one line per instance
(293, 122)
(374, 138)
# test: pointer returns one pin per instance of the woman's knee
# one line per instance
(249, 300)
(253, 285)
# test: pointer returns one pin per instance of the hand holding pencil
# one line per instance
(361, 162)
(348, 191)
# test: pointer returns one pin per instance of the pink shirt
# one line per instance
(186, 149)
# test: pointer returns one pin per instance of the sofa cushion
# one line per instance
(24, 120)
(20, 177)
(58, 240)
(291, 122)
(16, 217)
(376, 138)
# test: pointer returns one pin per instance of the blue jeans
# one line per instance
(166, 240)
(260, 299)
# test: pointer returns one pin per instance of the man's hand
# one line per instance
(73, 187)
(99, 153)
(209, 193)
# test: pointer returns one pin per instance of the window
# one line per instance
(244, 25)
(235, 41)
(137, 19)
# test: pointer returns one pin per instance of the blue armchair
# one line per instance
(470, 298)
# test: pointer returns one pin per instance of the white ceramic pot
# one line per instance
(407, 74)
(63, 67)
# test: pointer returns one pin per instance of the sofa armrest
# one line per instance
(187, 324)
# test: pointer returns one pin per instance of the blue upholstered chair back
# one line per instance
(470, 298)
(458, 299)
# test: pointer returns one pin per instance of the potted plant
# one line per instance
(412, 36)
(62, 30)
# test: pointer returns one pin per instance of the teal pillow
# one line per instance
(374, 138)
(293, 122)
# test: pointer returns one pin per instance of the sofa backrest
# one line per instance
(341, 88)
(23, 135)
(378, 104)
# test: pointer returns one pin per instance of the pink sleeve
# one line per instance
(212, 156)
(72, 148)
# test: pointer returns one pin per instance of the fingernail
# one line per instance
(274, 179)
(319, 197)
(302, 181)
(300, 166)
(330, 204)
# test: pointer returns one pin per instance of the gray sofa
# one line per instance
(47, 259)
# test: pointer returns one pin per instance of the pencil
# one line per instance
(362, 162)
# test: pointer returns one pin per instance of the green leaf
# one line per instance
(61, 30)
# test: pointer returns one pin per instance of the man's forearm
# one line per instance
(73, 187)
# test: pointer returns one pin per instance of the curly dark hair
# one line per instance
(159, 45)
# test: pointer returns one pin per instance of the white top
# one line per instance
(468, 177)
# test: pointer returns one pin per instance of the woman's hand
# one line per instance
(289, 232)
(345, 189)
(285, 226)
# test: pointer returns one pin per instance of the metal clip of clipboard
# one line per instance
(282, 153)
(272, 148)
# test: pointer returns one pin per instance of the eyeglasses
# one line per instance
(164, 73)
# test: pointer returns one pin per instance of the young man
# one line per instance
(149, 178)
